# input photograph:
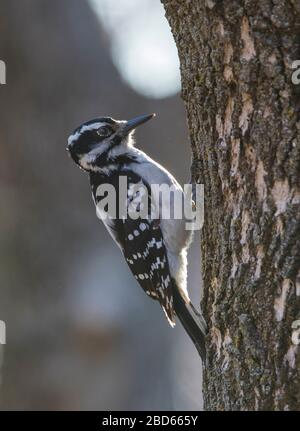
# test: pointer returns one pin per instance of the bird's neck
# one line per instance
(113, 160)
(117, 152)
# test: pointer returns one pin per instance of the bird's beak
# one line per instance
(137, 121)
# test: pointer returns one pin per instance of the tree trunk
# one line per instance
(243, 115)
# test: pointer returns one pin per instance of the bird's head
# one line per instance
(96, 140)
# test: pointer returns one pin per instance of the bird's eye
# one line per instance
(104, 131)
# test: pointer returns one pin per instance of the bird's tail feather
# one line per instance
(191, 320)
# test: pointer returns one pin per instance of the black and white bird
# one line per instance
(155, 249)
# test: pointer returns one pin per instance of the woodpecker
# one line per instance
(155, 249)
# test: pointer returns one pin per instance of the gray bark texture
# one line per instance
(243, 115)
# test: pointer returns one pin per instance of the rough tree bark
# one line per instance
(243, 116)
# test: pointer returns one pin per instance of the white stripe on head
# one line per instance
(84, 128)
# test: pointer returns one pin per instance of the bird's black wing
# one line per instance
(142, 244)
(145, 253)
(146, 256)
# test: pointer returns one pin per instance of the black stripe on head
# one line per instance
(86, 141)
(107, 120)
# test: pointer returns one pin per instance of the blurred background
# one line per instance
(81, 334)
